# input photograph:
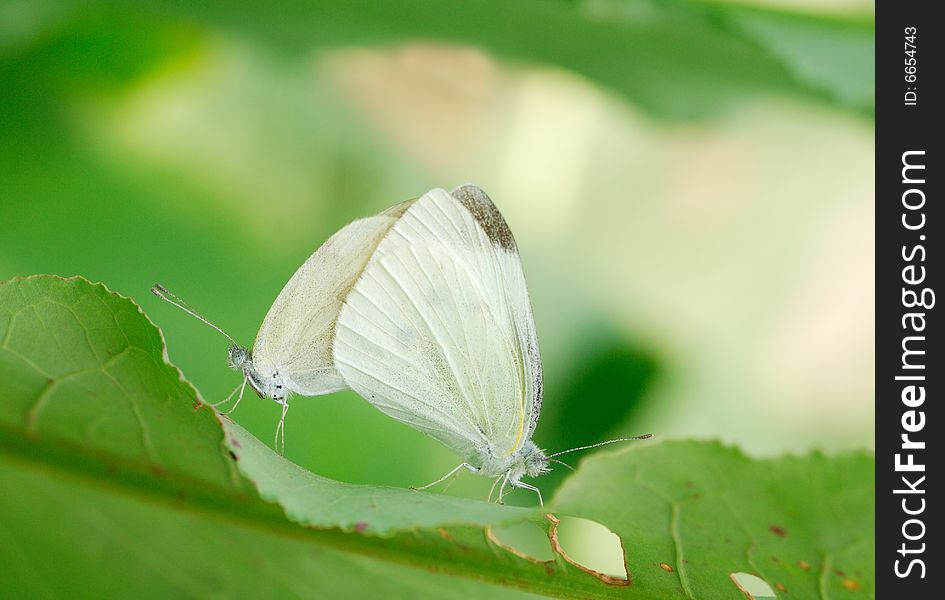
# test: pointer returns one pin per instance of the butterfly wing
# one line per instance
(295, 338)
(438, 331)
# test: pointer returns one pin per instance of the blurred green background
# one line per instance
(690, 184)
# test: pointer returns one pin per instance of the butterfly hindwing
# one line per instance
(296, 336)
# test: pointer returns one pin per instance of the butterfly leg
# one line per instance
(505, 481)
(449, 484)
(241, 388)
(492, 489)
(238, 398)
(468, 466)
(528, 486)
(280, 428)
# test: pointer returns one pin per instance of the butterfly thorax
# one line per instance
(529, 460)
(266, 385)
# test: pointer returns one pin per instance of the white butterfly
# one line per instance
(438, 333)
(423, 311)
(292, 352)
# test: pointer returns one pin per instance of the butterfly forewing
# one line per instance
(438, 330)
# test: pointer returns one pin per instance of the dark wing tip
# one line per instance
(486, 214)
(469, 188)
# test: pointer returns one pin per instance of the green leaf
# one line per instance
(831, 56)
(319, 502)
(64, 537)
(119, 481)
(706, 511)
(92, 412)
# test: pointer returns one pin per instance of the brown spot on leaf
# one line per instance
(666, 567)
(839, 573)
(445, 534)
(556, 546)
(851, 585)
(780, 587)
(233, 455)
(235, 442)
(777, 530)
(775, 559)
(804, 565)
(360, 526)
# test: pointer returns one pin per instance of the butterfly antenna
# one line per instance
(626, 439)
(561, 462)
(168, 296)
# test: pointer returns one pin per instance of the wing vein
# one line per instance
(432, 333)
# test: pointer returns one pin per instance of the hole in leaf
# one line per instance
(754, 587)
(591, 547)
(526, 540)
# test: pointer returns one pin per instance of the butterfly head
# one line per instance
(237, 356)
(530, 461)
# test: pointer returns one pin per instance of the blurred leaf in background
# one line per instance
(690, 183)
